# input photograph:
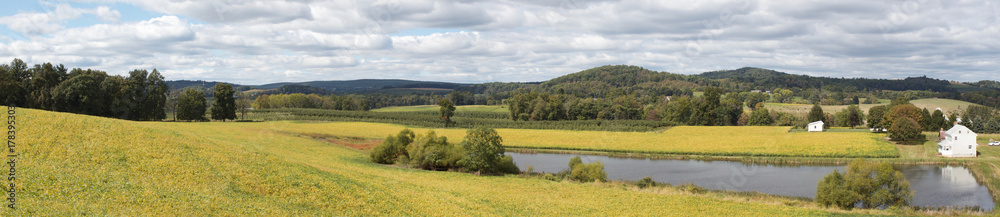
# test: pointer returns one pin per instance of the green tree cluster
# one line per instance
(868, 184)
(981, 119)
(481, 152)
(760, 117)
(298, 100)
(191, 105)
(139, 96)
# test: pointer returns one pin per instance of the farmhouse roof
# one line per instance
(816, 122)
(959, 129)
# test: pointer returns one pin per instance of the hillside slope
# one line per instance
(769, 79)
(82, 165)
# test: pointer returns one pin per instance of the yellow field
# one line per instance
(81, 165)
(735, 141)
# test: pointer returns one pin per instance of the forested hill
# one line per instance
(608, 80)
(757, 78)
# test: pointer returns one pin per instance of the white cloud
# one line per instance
(263, 41)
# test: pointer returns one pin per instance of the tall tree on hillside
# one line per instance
(14, 83)
(191, 105)
(135, 94)
(447, 110)
(225, 104)
(152, 108)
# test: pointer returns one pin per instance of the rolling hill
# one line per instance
(84, 165)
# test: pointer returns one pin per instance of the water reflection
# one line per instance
(933, 185)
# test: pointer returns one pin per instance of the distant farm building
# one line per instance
(958, 141)
(816, 126)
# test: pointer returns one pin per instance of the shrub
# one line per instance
(508, 166)
(691, 187)
(392, 148)
(646, 182)
(433, 152)
(872, 184)
(483, 150)
(574, 161)
(832, 191)
(587, 172)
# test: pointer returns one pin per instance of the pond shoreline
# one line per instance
(750, 160)
(934, 179)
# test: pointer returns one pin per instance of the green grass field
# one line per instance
(423, 108)
(81, 165)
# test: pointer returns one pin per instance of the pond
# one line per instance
(933, 185)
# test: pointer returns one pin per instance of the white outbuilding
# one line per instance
(958, 141)
(816, 126)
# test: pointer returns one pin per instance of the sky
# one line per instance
(473, 41)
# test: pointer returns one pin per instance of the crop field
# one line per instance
(81, 165)
(435, 108)
(730, 141)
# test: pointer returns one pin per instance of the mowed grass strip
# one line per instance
(723, 141)
(80, 165)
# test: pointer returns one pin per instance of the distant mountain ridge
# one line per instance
(601, 80)
(346, 86)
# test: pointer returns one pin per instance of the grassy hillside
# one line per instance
(81, 165)
(434, 108)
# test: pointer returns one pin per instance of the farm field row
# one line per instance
(82, 165)
(462, 108)
(731, 141)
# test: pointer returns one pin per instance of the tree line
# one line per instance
(192, 104)
(139, 96)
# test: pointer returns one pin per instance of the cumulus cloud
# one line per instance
(263, 41)
(36, 23)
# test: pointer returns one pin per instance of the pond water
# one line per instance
(933, 185)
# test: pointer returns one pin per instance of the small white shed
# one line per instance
(958, 141)
(816, 126)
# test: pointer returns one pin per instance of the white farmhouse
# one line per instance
(816, 126)
(959, 141)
